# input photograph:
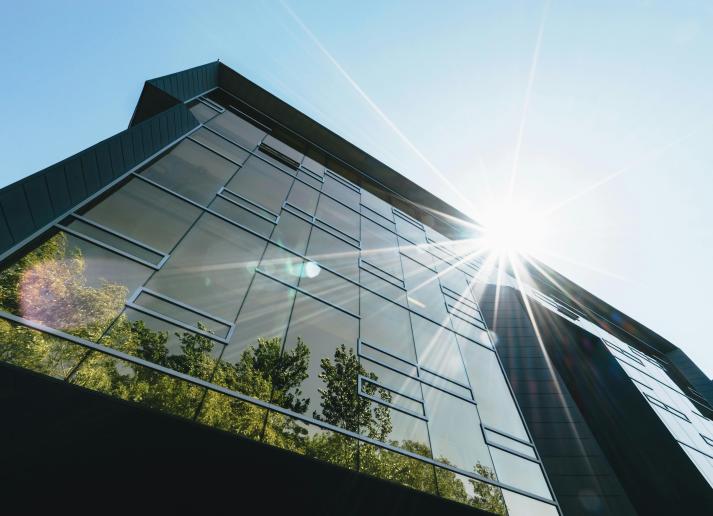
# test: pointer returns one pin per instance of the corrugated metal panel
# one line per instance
(189, 83)
(32, 203)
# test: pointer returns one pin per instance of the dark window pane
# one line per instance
(211, 268)
(202, 112)
(179, 313)
(339, 217)
(424, 292)
(236, 129)
(393, 466)
(292, 232)
(376, 205)
(310, 180)
(261, 183)
(326, 339)
(163, 343)
(192, 171)
(386, 326)
(303, 197)
(220, 145)
(495, 403)
(115, 241)
(437, 349)
(334, 253)
(313, 166)
(456, 437)
(521, 473)
(145, 213)
(138, 384)
(242, 216)
(341, 192)
(71, 285)
(379, 247)
(283, 148)
(38, 351)
(469, 491)
(311, 440)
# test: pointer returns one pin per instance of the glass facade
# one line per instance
(239, 283)
(678, 411)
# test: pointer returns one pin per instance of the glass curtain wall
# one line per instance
(239, 283)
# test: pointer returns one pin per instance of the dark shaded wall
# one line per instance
(64, 446)
(692, 373)
(581, 476)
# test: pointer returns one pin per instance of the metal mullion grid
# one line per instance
(120, 235)
(668, 408)
(205, 100)
(344, 181)
(695, 449)
(111, 248)
(131, 303)
(360, 381)
(537, 457)
(276, 216)
(314, 145)
(215, 151)
(195, 97)
(240, 396)
(363, 262)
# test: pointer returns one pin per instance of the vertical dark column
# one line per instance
(581, 476)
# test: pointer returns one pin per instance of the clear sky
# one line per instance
(599, 113)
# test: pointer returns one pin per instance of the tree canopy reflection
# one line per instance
(48, 285)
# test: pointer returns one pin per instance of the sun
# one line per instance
(513, 229)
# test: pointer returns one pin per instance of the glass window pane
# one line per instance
(341, 192)
(519, 505)
(410, 231)
(521, 473)
(236, 129)
(437, 349)
(283, 148)
(417, 253)
(220, 145)
(292, 232)
(138, 384)
(232, 415)
(379, 247)
(469, 491)
(373, 354)
(495, 403)
(386, 326)
(378, 206)
(261, 183)
(334, 253)
(202, 112)
(313, 166)
(391, 379)
(310, 180)
(192, 171)
(456, 437)
(378, 284)
(330, 287)
(163, 343)
(389, 465)
(395, 427)
(242, 216)
(424, 291)
(145, 213)
(324, 341)
(303, 197)
(495, 438)
(71, 285)
(211, 268)
(282, 265)
(115, 241)
(339, 217)
(36, 351)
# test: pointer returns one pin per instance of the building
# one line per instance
(228, 299)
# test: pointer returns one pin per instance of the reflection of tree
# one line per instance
(48, 285)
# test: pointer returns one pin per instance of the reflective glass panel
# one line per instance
(469, 491)
(261, 183)
(115, 241)
(236, 129)
(380, 248)
(303, 197)
(292, 232)
(243, 216)
(334, 253)
(220, 145)
(495, 403)
(424, 291)
(341, 192)
(386, 326)
(202, 112)
(339, 217)
(211, 268)
(192, 171)
(437, 349)
(521, 473)
(145, 213)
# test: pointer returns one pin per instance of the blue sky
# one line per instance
(606, 107)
